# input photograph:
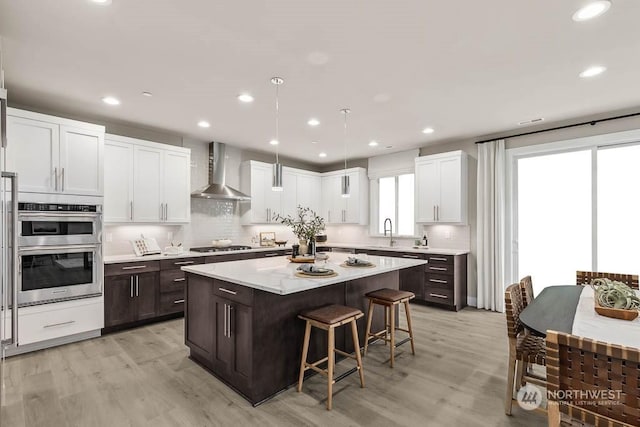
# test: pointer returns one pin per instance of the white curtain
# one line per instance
(491, 225)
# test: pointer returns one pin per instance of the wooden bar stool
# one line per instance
(329, 318)
(389, 299)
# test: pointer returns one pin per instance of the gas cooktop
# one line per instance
(227, 249)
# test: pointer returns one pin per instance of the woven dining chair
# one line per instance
(592, 382)
(585, 278)
(527, 290)
(524, 348)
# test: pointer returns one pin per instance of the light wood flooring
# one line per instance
(142, 377)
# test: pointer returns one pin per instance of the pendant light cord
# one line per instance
(277, 123)
(345, 111)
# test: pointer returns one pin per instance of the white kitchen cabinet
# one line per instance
(345, 210)
(256, 180)
(309, 191)
(55, 155)
(146, 182)
(118, 181)
(441, 188)
(177, 175)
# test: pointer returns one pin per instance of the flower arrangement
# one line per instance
(305, 225)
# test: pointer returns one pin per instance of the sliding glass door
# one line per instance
(576, 209)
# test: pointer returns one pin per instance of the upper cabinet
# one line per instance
(299, 187)
(345, 210)
(146, 182)
(55, 155)
(441, 188)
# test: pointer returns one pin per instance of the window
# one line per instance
(395, 201)
(574, 207)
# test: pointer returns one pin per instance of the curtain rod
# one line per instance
(590, 122)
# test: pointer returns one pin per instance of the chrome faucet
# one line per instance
(390, 230)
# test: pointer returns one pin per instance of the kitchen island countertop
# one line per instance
(277, 275)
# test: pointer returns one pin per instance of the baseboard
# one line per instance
(472, 301)
(27, 348)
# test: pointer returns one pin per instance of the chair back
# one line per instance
(527, 290)
(585, 277)
(514, 304)
(593, 381)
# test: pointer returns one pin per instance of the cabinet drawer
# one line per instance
(61, 322)
(172, 281)
(131, 268)
(171, 302)
(438, 281)
(440, 259)
(176, 263)
(233, 292)
(439, 295)
(439, 268)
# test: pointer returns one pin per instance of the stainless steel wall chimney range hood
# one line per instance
(217, 188)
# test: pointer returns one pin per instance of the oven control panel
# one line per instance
(56, 207)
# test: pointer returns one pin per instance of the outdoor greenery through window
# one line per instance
(395, 201)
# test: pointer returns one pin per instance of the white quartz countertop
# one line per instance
(277, 274)
(115, 259)
(418, 249)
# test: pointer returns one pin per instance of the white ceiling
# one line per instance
(465, 68)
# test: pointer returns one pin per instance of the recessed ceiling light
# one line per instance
(111, 100)
(149, 94)
(313, 122)
(322, 155)
(314, 142)
(373, 144)
(427, 130)
(245, 97)
(101, 2)
(593, 71)
(591, 10)
(204, 124)
(274, 142)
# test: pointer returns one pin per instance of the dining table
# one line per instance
(570, 309)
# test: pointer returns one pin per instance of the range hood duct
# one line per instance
(217, 188)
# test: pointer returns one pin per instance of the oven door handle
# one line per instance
(65, 248)
(60, 216)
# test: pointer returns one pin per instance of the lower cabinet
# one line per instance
(442, 281)
(129, 298)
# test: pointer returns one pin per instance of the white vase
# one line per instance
(304, 247)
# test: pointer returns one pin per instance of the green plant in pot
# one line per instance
(305, 225)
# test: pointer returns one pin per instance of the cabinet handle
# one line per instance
(434, 213)
(183, 262)
(410, 256)
(438, 281)
(271, 254)
(224, 332)
(439, 296)
(178, 301)
(134, 267)
(62, 179)
(438, 268)
(131, 285)
(131, 210)
(437, 259)
(53, 325)
(229, 321)
(227, 291)
(267, 214)
(179, 280)
(137, 286)
(166, 211)
(438, 212)
(55, 176)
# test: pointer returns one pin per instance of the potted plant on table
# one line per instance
(305, 225)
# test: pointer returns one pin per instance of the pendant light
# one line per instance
(276, 182)
(345, 187)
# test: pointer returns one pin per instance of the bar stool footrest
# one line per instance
(398, 344)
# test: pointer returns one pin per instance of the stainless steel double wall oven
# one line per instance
(59, 252)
